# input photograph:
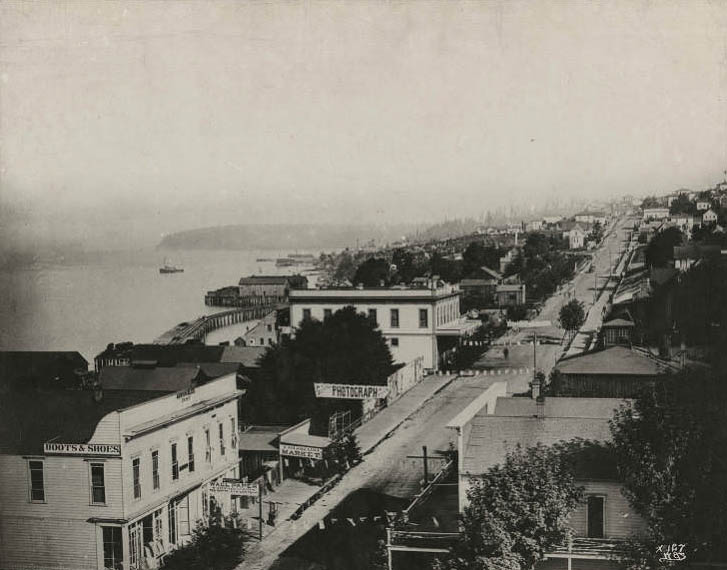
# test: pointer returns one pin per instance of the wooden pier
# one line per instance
(199, 328)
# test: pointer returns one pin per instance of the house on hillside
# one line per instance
(614, 372)
(655, 213)
(709, 217)
(591, 217)
(494, 424)
(576, 236)
(510, 294)
(618, 331)
(685, 256)
(482, 285)
(264, 333)
(702, 205)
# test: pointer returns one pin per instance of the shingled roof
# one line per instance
(614, 360)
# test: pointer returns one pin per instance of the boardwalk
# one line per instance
(198, 329)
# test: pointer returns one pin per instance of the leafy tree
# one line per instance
(660, 250)
(651, 202)
(346, 452)
(216, 546)
(373, 272)
(476, 255)
(346, 348)
(669, 450)
(450, 271)
(345, 266)
(683, 205)
(572, 316)
(517, 511)
(517, 313)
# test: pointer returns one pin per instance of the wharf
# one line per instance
(199, 328)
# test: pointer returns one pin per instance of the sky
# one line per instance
(120, 122)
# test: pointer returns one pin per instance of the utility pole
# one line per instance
(426, 469)
(260, 512)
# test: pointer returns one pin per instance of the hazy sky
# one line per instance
(121, 121)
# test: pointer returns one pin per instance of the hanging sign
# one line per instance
(351, 391)
(301, 451)
(236, 488)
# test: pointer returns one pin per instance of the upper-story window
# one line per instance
(208, 446)
(372, 317)
(98, 484)
(394, 318)
(222, 438)
(233, 434)
(190, 453)
(306, 314)
(155, 469)
(270, 328)
(423, 318)
(175, 463)
(136, 476)
(37, 480)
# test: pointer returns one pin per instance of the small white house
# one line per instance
(709, 217)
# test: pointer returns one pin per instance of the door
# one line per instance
(596, 513)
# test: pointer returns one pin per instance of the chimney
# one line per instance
(97, 392)
(540, 407)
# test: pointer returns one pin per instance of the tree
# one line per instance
(450, 271)
(478, 254)
(660, 250)
(517, 511)
(374, 272)
(669, 448)
(213, 547)
(572, 316)
(347, 348)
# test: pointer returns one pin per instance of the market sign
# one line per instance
(351, 391)
(238, 488)
(301, 451)
(107, 449)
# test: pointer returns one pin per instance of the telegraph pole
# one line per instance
(260, 504)
(426, 469)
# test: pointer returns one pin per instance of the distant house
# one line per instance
(510, 294)
(534, 225)
(687, 255)
(482, 285)
(576, 237)
(508, 258)
(265, 289)
(618, 331)
(702, 205)
(590, 217)
(615, 372)
(655, 213)
(494, 425)
(264, 333)
(709, 217)
(551, 220)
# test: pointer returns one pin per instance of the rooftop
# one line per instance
(271, 279)
(615, 360)
(248, 356)
(618, 323)
(372, 293)
(162, 379)
(30, 418)
(515, 422)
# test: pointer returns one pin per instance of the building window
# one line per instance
(233, 434)
(262, 341)
(98, 485)
(208, 446)
(136, 474)
(270, 342)
(394, 318)
(372, 316)
(595, 516)
(37, 481)
(394, 341)
(327, 313)
(155, 469)
(113, 550)
(306, 314)
(175, 463)
(270, 328)
(190, 453)
(221, 429)
(423, 318)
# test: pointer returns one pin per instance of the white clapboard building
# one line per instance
(112, 479)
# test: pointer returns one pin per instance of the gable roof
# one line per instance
(163, 379)
(248, 356)
(617, 323)
(39, 365)
(515, 422)
(172, 354)
(615, 360)
(28, 419)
